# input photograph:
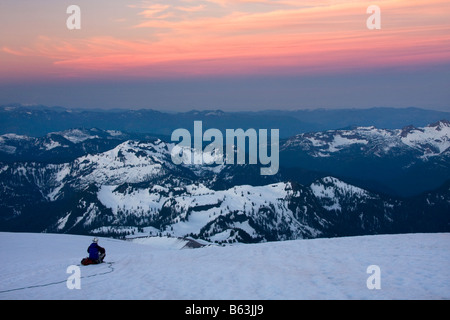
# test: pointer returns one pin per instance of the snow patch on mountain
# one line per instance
(333, 190)
(77, 135)
(49, 145)
(433, 139)
(130, 162)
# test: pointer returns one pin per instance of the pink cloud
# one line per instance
(225, 37)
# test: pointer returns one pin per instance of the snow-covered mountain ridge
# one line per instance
(429, 141)
(402, 162)
(432, 140)
(134, 187)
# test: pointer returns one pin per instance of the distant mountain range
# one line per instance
(352, 181)
(39, 120)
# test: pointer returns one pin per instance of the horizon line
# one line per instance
(37, 106)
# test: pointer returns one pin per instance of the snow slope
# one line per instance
(413, 266)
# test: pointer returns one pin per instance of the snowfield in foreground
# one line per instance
(412, 266)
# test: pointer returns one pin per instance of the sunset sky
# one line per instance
(227, 54)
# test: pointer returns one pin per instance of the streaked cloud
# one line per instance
(222, 37)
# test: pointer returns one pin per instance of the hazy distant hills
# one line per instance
(40, 120)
